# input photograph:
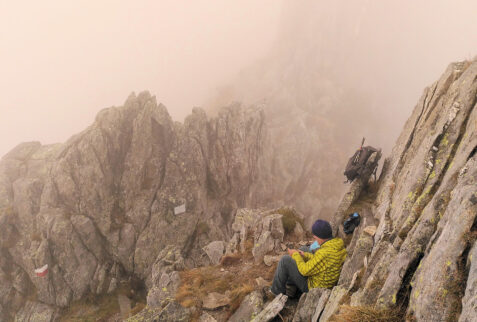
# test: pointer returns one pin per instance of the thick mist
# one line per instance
(62, 62)
(359, 61)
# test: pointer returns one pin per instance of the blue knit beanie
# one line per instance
(322, 229)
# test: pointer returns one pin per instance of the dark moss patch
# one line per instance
(289, 219)
(95, 307)
(202, 228)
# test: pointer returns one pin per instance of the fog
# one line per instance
(63, 61)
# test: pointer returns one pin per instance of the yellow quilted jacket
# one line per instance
(322, 268)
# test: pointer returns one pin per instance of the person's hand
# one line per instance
(291, 251)
(301, 252)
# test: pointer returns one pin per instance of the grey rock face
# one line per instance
(165, 289)
(310, 303)
(469, 301)
(362, 249)
(34, 311)
(268, 236)
(250, 307)
(100, 207)
(420, 253)
(335, 299)
(214, 251)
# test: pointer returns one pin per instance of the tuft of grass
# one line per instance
(289, 219)
(203, 228)
(35, 236)
(230, 259)
(367, 314)
(238, 294)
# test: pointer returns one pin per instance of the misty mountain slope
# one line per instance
(319, 86)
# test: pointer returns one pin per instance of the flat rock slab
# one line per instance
(370, 230)
(272, 309)
(250, 307)
(269, 260)
(215, 300)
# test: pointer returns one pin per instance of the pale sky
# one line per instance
(61, 61)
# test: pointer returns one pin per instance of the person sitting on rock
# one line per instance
(305, 270)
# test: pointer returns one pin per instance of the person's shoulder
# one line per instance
(337, 243)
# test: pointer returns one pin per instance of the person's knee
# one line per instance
(286, 259)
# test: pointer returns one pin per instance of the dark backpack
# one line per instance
(351, 223)
(357, 162)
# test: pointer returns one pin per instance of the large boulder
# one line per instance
(311, 305)
(251, 305)
(419, 257)
(268, 236)
(214, 251)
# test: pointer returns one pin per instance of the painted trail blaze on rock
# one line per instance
(42, 271)
(180, 209)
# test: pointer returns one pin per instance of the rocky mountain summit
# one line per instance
(138, 198)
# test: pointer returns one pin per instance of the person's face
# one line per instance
(319, 240)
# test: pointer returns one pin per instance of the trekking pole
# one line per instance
(360, 149)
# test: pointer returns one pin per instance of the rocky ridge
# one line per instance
(92, 209)
(101, 208)
(412, 258)
(418, 261)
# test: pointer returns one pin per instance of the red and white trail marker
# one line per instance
(42, 271)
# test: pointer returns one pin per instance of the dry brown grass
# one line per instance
(237, 277)
(137, 308)
(230, 259)
(289, 219)
(349, 313)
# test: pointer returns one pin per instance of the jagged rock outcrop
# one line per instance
(105, 206)
(101, 207)
(251, 305)
(419, 259)
(214, 251)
